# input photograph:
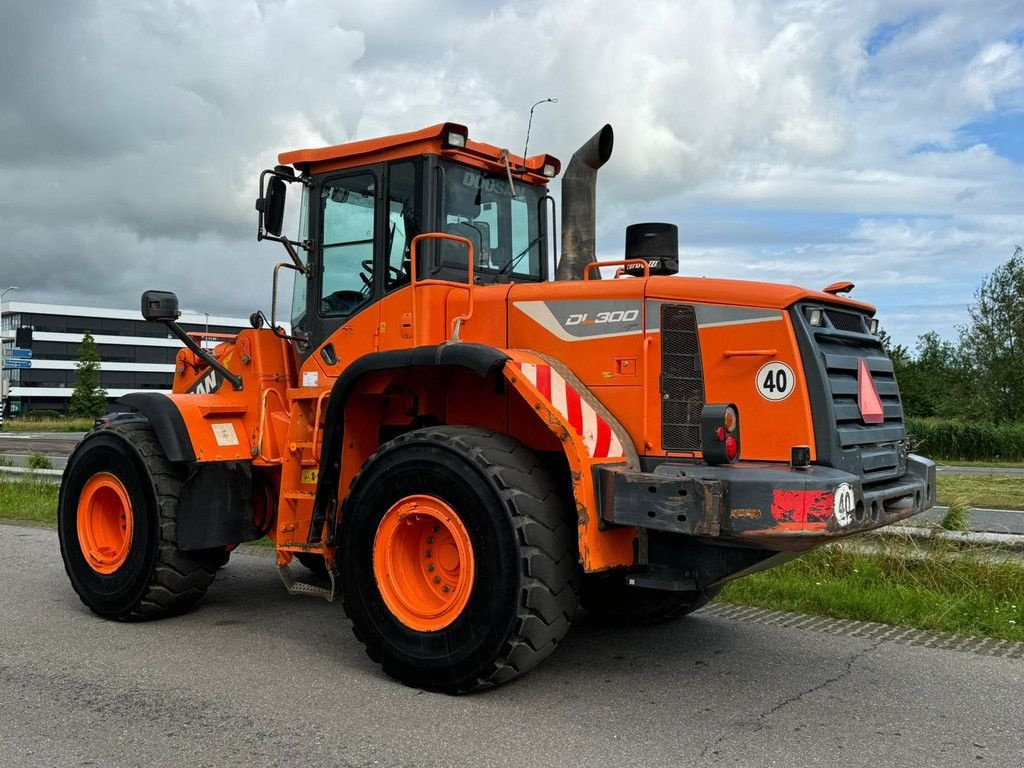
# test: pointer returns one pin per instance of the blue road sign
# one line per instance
(17, 352)
(17, 362)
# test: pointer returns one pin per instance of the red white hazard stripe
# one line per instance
(599, 438)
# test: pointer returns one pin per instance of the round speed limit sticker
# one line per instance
(775, 381)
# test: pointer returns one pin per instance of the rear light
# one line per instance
(720, 434)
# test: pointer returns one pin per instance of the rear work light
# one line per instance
(455, 139)
(720, 434)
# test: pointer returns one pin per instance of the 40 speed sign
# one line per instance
(775, 381)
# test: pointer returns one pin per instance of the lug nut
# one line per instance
(430, 539)
(429, 553)
(437, 529)
(430, 567)
(446, 588)
(437, 579)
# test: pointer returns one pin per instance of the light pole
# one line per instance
(5, 291)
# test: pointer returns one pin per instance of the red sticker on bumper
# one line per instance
(802, 506)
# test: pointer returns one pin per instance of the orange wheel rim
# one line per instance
(104, 523)
(423, 563)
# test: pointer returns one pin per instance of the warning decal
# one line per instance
(225, 434)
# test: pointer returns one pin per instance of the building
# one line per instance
(135, 355)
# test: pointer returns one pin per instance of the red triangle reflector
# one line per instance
(868, 401)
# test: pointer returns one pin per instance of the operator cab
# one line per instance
(373, 197)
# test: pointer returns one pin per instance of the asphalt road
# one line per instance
(16, 447)
(255, 677)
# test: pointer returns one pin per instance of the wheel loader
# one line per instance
(467, 436)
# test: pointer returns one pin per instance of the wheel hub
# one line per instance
(423, 562)
(104, 523)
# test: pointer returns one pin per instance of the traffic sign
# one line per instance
(17, 352)
(17, 362)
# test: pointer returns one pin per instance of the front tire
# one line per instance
(457, 559)
(116, 522)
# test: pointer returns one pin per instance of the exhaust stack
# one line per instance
(579, 205)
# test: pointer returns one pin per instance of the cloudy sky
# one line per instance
(804, 141)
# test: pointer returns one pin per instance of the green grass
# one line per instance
(39, 461)
(47, 425)
(976, 463)
(992, 491)
(29, 500)
(969, 594)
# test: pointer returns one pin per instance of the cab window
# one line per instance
(402, 221)
(348, 214)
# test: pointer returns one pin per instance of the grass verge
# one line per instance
(933, 587)
(47, 425)
(28, 500)
(991, 491)
(986, 463)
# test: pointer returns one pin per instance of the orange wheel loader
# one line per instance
(466, 448)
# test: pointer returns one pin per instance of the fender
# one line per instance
(479, 358)
(590, 436)
(167, 423)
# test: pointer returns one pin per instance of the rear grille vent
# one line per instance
(845, 321)
(832, 357)
(682, 379)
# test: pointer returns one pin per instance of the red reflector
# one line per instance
(720, 434)
(868, 401)
(732, 448)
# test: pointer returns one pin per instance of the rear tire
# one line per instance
(505, 546)
(150, 577)
(607, 597)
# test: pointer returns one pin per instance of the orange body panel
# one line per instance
(605, 335)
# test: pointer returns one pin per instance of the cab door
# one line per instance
(342, 311)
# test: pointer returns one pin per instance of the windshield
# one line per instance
(505, 230)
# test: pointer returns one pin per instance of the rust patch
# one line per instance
(745, 514)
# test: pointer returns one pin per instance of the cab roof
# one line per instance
(427, 141)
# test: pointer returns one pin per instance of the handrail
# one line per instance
(617, 263)
(458, 321)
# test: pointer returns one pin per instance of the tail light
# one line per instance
(720, 434)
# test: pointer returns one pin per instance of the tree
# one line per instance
(89, 399)
(992, 345)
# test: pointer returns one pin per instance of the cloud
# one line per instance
(132, 134)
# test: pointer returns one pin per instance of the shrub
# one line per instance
(967, 441)
(39, 461)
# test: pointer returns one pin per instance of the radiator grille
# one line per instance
(682, 379)
(876, 452)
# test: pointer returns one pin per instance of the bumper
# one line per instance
(769, 506)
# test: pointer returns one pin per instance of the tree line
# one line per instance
(980, 375)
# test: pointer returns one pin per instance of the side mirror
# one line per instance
(160, 306)
(271, 205)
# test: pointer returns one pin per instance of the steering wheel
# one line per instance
(367, 266)
(367, 275)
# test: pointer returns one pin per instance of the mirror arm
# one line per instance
(202, 354)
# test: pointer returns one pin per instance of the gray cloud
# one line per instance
(131, 134)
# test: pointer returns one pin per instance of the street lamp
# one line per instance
(5, 291)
